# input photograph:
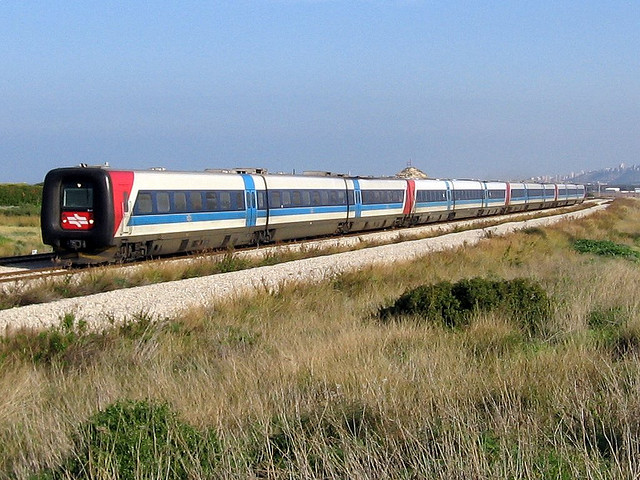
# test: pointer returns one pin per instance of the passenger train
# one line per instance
(97, 215)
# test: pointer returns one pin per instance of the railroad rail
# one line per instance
(26, 261)
(29, 267)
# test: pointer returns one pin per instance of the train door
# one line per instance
(357, 193)
(451, 202)
(485, 195)
(250, 200)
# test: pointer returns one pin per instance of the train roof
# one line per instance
(304, 174)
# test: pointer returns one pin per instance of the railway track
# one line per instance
(27, 268)
(23, 268)
(28, 261)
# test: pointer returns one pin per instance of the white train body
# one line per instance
(97, 214)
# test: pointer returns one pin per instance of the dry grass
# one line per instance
(306, 382)
(20, 231)
(17, 239)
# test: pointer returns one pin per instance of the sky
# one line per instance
(473, 89)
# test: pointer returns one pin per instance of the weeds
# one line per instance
(606, 248)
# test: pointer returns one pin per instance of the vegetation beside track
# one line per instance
(20, 194)
(309, 382)
(20, 219)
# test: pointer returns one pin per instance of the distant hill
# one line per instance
(619, 176)
(411, 172)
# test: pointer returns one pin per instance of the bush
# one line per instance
(605, 248)
(452, 304)
(138, 440)
(436, 302)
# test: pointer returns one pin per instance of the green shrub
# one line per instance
(138, 440)
(605, 248)
(452, 304)
(435, 302)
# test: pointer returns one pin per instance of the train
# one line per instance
(95, 214)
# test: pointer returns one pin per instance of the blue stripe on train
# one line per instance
(138, 220)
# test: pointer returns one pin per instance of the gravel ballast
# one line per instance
(169, 299)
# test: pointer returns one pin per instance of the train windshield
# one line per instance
(77, 195)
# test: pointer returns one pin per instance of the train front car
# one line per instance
(78, 217)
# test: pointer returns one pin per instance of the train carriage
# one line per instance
(495, 201)
(467, 197)
(187, 211)
(535, 196)
(517, 196)
(307, 206)
(381, 203)
(433, 201)
(550, 196)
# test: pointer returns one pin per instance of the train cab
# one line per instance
(77, 210)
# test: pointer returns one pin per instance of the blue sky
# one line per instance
(495, 90)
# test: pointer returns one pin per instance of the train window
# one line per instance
(262, 203)
(212, 201)
(162, 202)
(225, 201)
(496, 193)
(144, 203)
(315, 198)
(274, 199)
(369, 197)
(195, 198)
(239, 197)
(306, 198)
(351, 197)
(286, 198)
(180, 201)
(77, 196)
(296, 198)
(324, 197)
(468, 194)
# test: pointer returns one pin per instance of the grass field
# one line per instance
(311, 382)
(20, 231)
